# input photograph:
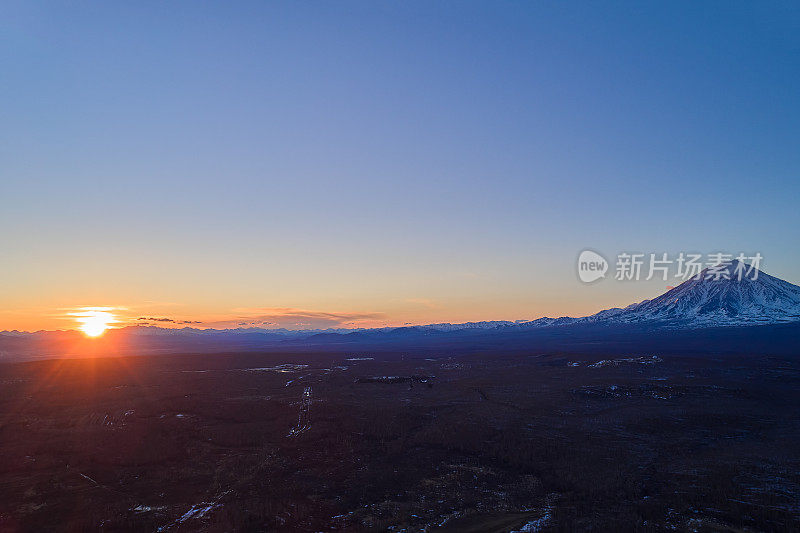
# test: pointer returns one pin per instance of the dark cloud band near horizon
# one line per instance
(277, 317)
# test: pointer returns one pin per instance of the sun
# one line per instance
(94, 321)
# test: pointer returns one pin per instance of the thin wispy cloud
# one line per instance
(291, 318)
(424, 302)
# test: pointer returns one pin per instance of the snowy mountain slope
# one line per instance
(710, 299)
(718, 302)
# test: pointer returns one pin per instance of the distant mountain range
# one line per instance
(718, 299)
(711, 299)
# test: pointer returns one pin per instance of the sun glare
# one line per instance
(94, 321)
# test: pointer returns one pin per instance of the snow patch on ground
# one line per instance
(285, 367)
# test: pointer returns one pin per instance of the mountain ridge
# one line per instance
(716, 297)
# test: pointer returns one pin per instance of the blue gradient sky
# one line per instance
(403, 162)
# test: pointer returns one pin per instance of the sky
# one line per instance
(329, 164)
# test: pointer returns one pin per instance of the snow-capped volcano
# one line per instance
(719, 296)
(728, 294)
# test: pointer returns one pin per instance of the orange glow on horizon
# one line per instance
(94, 321)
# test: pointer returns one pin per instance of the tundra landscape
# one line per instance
(401, 442)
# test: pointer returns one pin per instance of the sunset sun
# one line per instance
(94, 321)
